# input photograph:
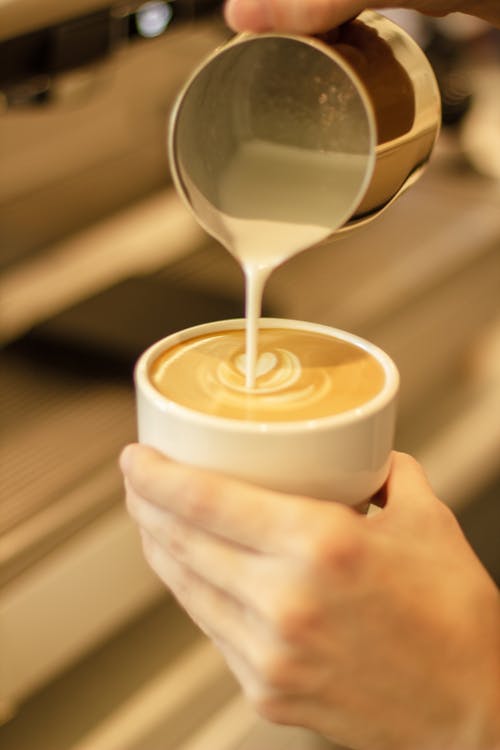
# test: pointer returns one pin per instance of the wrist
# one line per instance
(473, 720)
(482, 729)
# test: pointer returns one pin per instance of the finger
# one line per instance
(219, 615)
(241, 513)
(269, 671)
(244, 575)
(410, 500)
(279, 592)
(407, 482)
(296, 16)
(265, 665)
(212, 610)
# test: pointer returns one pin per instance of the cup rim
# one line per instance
(387, 394)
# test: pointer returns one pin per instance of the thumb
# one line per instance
(408, 492)
(298, 16)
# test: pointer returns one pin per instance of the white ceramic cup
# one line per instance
(343, 457)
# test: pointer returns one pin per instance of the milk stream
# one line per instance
(275, 201)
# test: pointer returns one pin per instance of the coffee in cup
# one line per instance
(301, 375)
(318, 422)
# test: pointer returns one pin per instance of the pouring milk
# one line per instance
(275, 201)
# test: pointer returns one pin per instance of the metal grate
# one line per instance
(60, 426)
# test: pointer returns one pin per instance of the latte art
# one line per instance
(300, 375)
(275, 372)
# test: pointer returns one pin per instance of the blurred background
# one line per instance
(99, 258)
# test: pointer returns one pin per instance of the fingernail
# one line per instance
(248, 15)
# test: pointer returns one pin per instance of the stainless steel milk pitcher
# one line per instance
(364, 92)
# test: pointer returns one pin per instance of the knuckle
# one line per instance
(155, 521)
(339, 550)
(273, 708)
(297, 618)
(199, 492)
(272, 671)
(177, 540)
(276, 672)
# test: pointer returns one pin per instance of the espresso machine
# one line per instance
(85, 93)
(86, 211)
(99, 258)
